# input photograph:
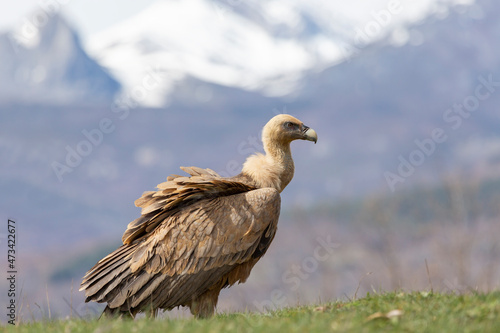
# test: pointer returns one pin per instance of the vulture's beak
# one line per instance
(309, 134)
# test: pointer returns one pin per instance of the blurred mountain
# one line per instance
(47, 64)
(442, 73)
(253, 46)
(369, 112)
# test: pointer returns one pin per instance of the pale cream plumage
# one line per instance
(198, 234)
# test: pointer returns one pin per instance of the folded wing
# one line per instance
(194, 233)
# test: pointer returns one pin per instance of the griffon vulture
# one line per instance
(199, 233)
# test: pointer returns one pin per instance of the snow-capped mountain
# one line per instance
(263, 46)
(47, 64)
(249, 45)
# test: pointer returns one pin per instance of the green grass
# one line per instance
(419, 312)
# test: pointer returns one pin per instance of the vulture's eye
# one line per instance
(290, 125)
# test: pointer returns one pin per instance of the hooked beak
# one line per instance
(309, 134)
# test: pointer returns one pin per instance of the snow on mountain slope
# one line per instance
(263, 46)
(210, 42)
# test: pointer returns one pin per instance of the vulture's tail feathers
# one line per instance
(112, 281)
(101, 281)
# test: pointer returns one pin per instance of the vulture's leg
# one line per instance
(116, 313)
(151, 312)
(204, 305)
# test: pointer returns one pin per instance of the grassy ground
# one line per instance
(390, 312)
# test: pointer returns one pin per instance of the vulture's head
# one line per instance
(283, 129)
(275, 169)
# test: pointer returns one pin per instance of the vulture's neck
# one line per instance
(274, 169)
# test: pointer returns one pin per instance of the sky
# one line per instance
(90, 17)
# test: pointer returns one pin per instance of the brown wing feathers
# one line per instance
(193, 231)
(175, 193)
